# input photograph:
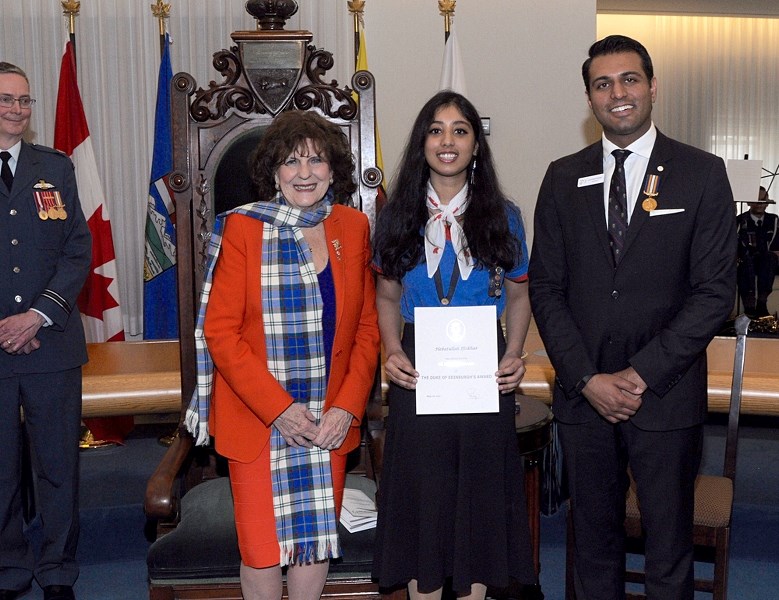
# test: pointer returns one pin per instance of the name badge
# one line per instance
(591, 180)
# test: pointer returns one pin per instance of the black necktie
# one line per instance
(759, 223)
(5, 173)
(618, 206)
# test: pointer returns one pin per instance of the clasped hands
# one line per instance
(298, 427)
(616, 396)
(17, 332)
(399, 369)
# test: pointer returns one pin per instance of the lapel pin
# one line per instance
(337, 246)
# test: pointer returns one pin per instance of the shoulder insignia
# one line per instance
(48, 149)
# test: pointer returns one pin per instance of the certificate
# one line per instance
(456, 357)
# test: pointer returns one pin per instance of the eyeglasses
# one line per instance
(7, 101)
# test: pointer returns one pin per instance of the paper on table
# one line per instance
(358, 512)
(456, 357)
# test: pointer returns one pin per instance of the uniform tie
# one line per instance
(5, 173)
(618, 206)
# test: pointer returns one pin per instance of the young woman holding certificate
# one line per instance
(452, 508)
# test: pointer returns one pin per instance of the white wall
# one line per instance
(522, 66)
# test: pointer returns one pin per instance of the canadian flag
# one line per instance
(98, 301)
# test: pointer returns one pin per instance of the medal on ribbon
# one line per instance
(49, 204)
(60, 206)
(650, 191)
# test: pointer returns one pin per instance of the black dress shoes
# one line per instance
(58, 592)
(13, 594)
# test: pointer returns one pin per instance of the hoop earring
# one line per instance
(472, 176)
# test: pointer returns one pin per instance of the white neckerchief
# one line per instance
(435, 231)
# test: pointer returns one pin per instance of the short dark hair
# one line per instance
(8, 68)
(615, 44)
(289, 132)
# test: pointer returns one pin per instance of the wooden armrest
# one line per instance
(161, 501)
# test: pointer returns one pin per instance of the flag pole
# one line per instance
(161, 11)
(447, 12)
(356, 8)
(70, 9)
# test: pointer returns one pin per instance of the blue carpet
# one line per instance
(112, 547)
(754, 558)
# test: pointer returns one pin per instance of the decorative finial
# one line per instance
(70, 9)
(446, 7)
(356, 7)
(161, 11)
(271, 14)
(447, 12)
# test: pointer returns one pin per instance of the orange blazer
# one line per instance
(246, 397)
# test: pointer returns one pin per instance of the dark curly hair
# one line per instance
(289, 132)
(398, 244)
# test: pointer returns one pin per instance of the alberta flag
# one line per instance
(160, 314)
(99, 299)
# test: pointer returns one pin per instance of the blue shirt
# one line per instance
(419, 289)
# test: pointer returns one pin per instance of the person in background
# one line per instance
(288, 317)
(452, 508)
(45, 256)
(632, 274)
(758, 254)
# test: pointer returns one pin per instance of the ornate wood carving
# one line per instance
(234, 92)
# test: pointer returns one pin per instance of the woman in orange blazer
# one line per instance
(292, 330)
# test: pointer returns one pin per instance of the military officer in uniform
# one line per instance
(45, 255)
(758, 254)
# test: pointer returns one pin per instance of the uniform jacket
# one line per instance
(246, 397)
(44, 262)
(659, 309)
(754, 240)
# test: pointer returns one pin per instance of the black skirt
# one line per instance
(452, 501)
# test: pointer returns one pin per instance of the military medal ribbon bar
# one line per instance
(49, 204)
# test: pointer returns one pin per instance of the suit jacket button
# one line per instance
(17, 299)
(615, 294)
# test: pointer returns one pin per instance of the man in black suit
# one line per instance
(631, 275)
(45, 254)
(758, 254)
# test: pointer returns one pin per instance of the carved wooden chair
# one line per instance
(713, 502)
(268, 71)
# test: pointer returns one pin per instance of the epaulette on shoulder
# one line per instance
(48, 149)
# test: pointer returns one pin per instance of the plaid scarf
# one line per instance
(292, 318)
